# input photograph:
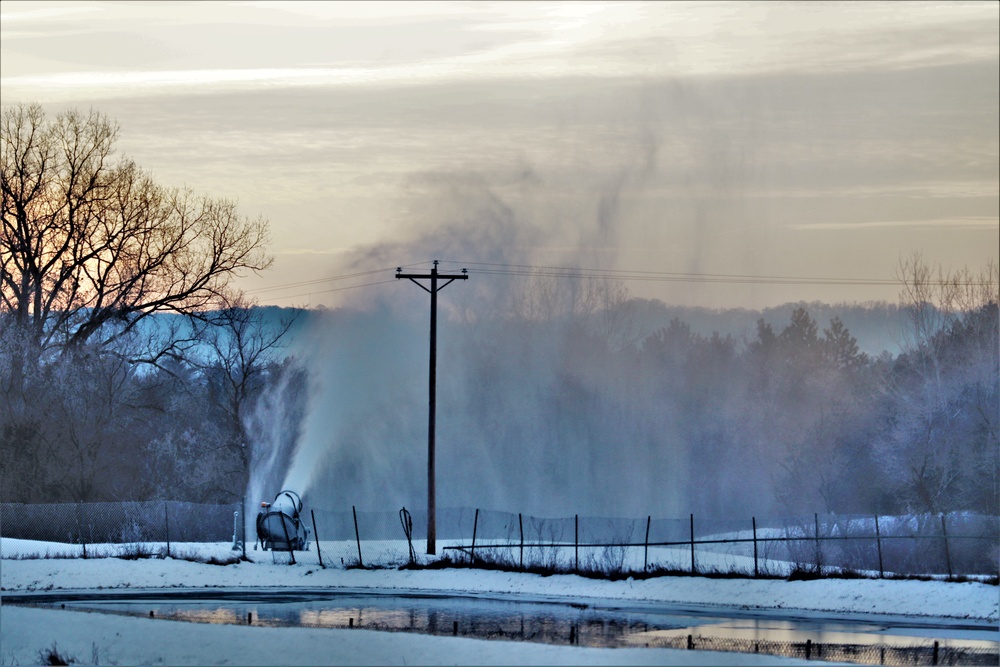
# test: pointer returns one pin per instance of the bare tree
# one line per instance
(91, 245)
(944, 445)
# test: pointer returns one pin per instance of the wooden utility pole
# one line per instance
(434, 277)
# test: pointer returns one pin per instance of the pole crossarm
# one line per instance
(434, 288)
(414, 277)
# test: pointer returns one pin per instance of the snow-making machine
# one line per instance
(279, 526)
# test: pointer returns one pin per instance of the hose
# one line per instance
(407, 521)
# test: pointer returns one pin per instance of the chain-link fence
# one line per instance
(91, 526)
(954, 544)
(951, 544)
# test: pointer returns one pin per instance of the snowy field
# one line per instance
(107, 639)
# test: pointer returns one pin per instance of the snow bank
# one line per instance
(93, 638)
(972, 600)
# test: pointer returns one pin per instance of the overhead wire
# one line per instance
(530, 270)
(334, 289)
(495, 268)
(319, 281)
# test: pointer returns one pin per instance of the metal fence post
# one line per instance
(756, 572)
(692, 544)
(236, 529)
(79, 527)
(316, 533)
(357, 535)
(475, 525)
(244, 529)
(166, 524)
(878, 543)
(520, 525)
(819, 558)
(576, 542)
(645, 553)
(947, 551)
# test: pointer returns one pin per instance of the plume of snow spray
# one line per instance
(273, 425)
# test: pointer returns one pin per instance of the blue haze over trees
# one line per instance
(130, 370)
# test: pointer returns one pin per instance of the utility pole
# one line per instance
(434, 277)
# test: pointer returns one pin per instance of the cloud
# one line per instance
(957, 222)
(59, 10)
(274, 45)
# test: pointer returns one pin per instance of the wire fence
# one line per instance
(954, 544)
(118, 523)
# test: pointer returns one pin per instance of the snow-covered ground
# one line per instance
(109, 639)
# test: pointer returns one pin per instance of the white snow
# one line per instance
(111, 639)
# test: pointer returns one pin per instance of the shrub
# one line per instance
(52, 656)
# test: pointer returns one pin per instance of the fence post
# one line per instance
(166, 524)
(520, 525)
(756, 572)
(319, 553)
(357, 535)
(236, 529)
(576, 542)
(819, 558)
(475, 525)
(645, 554)
(79, 527)
(947, 551)
(878, 542)
(692, 545)
(244, 529)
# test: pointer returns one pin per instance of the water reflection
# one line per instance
(786, 631)
(490, 619)
(581, 625)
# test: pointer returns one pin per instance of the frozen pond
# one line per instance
(597, 624)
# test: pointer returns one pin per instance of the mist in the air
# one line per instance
(560, 394)
(526, 418)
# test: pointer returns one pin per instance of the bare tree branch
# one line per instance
(91, 245)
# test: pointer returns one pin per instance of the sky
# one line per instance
(668, 141)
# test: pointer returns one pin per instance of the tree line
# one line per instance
(130, 369)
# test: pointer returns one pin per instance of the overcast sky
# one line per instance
(757, 139)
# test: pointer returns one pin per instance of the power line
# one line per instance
(314, 282)
(334, 289)
(530, 270)
(319, 281)
(494, 268)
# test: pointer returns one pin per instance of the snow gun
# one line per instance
(279, 527)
